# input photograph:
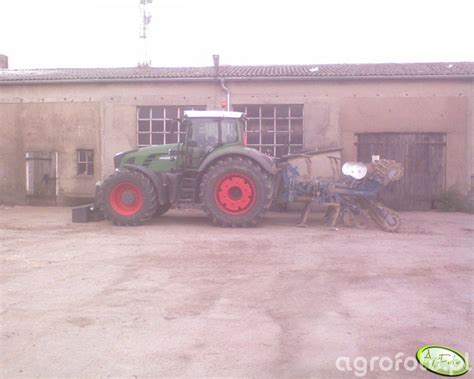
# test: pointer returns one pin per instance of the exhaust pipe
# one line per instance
(216, 66)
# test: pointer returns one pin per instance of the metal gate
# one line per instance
(41, 177)
(424, 158)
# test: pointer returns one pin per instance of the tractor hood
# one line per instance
(139, 155)
(159, 149)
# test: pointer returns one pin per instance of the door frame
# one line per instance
(29, 156)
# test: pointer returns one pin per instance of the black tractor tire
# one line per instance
(236, 192)
(128, 198)
(162, 209)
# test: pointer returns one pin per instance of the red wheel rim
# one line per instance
(235, 193)
(126, 198)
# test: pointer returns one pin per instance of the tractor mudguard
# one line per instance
(263, 160)
(155, 177)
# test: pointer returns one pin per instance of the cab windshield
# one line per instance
(212, 132)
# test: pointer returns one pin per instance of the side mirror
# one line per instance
(173, 153)
(192, 144)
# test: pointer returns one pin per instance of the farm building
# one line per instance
(62, 127)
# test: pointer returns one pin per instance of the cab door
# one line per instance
(202, 138)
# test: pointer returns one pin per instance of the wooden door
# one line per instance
(423, 156)
(41, 176)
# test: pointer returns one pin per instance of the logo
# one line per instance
(442, 360)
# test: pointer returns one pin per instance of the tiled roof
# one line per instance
(324, 71)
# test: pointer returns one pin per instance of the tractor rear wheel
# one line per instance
(236, 192)
(128, 198)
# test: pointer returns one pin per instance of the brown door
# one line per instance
(41, 175)
(423, 156)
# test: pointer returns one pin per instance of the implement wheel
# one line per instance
(236, 192)
(128, 198)
(387, 219)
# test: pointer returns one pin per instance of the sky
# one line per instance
(104, 33)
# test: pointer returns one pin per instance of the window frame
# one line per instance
(263, 120)
(179, 133)
(87, 163)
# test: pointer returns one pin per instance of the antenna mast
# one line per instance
(145, 20)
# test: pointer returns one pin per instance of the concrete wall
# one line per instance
(64, 117)
(470, 138)
(59, 127)
(420, 114)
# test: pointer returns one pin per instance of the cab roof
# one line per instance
(213, 114)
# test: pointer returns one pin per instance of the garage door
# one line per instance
(424, 158)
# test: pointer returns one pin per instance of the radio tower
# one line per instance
(145, 19)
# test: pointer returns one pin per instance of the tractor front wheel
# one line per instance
(235, 192)
(128, 198)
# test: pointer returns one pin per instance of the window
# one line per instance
(275, 130)
(229, 131)
(159, 125)
(205, 132)
(85, 162)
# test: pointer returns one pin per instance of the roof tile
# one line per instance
(410, 70)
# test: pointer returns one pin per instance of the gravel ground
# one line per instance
(179, 297)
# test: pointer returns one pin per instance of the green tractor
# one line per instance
(213, 168)
(232, 183)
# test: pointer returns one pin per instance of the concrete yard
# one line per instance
(179, 297)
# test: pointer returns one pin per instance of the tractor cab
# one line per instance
(208, 131)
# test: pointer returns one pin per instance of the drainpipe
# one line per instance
(221, 81)
(227, 91)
